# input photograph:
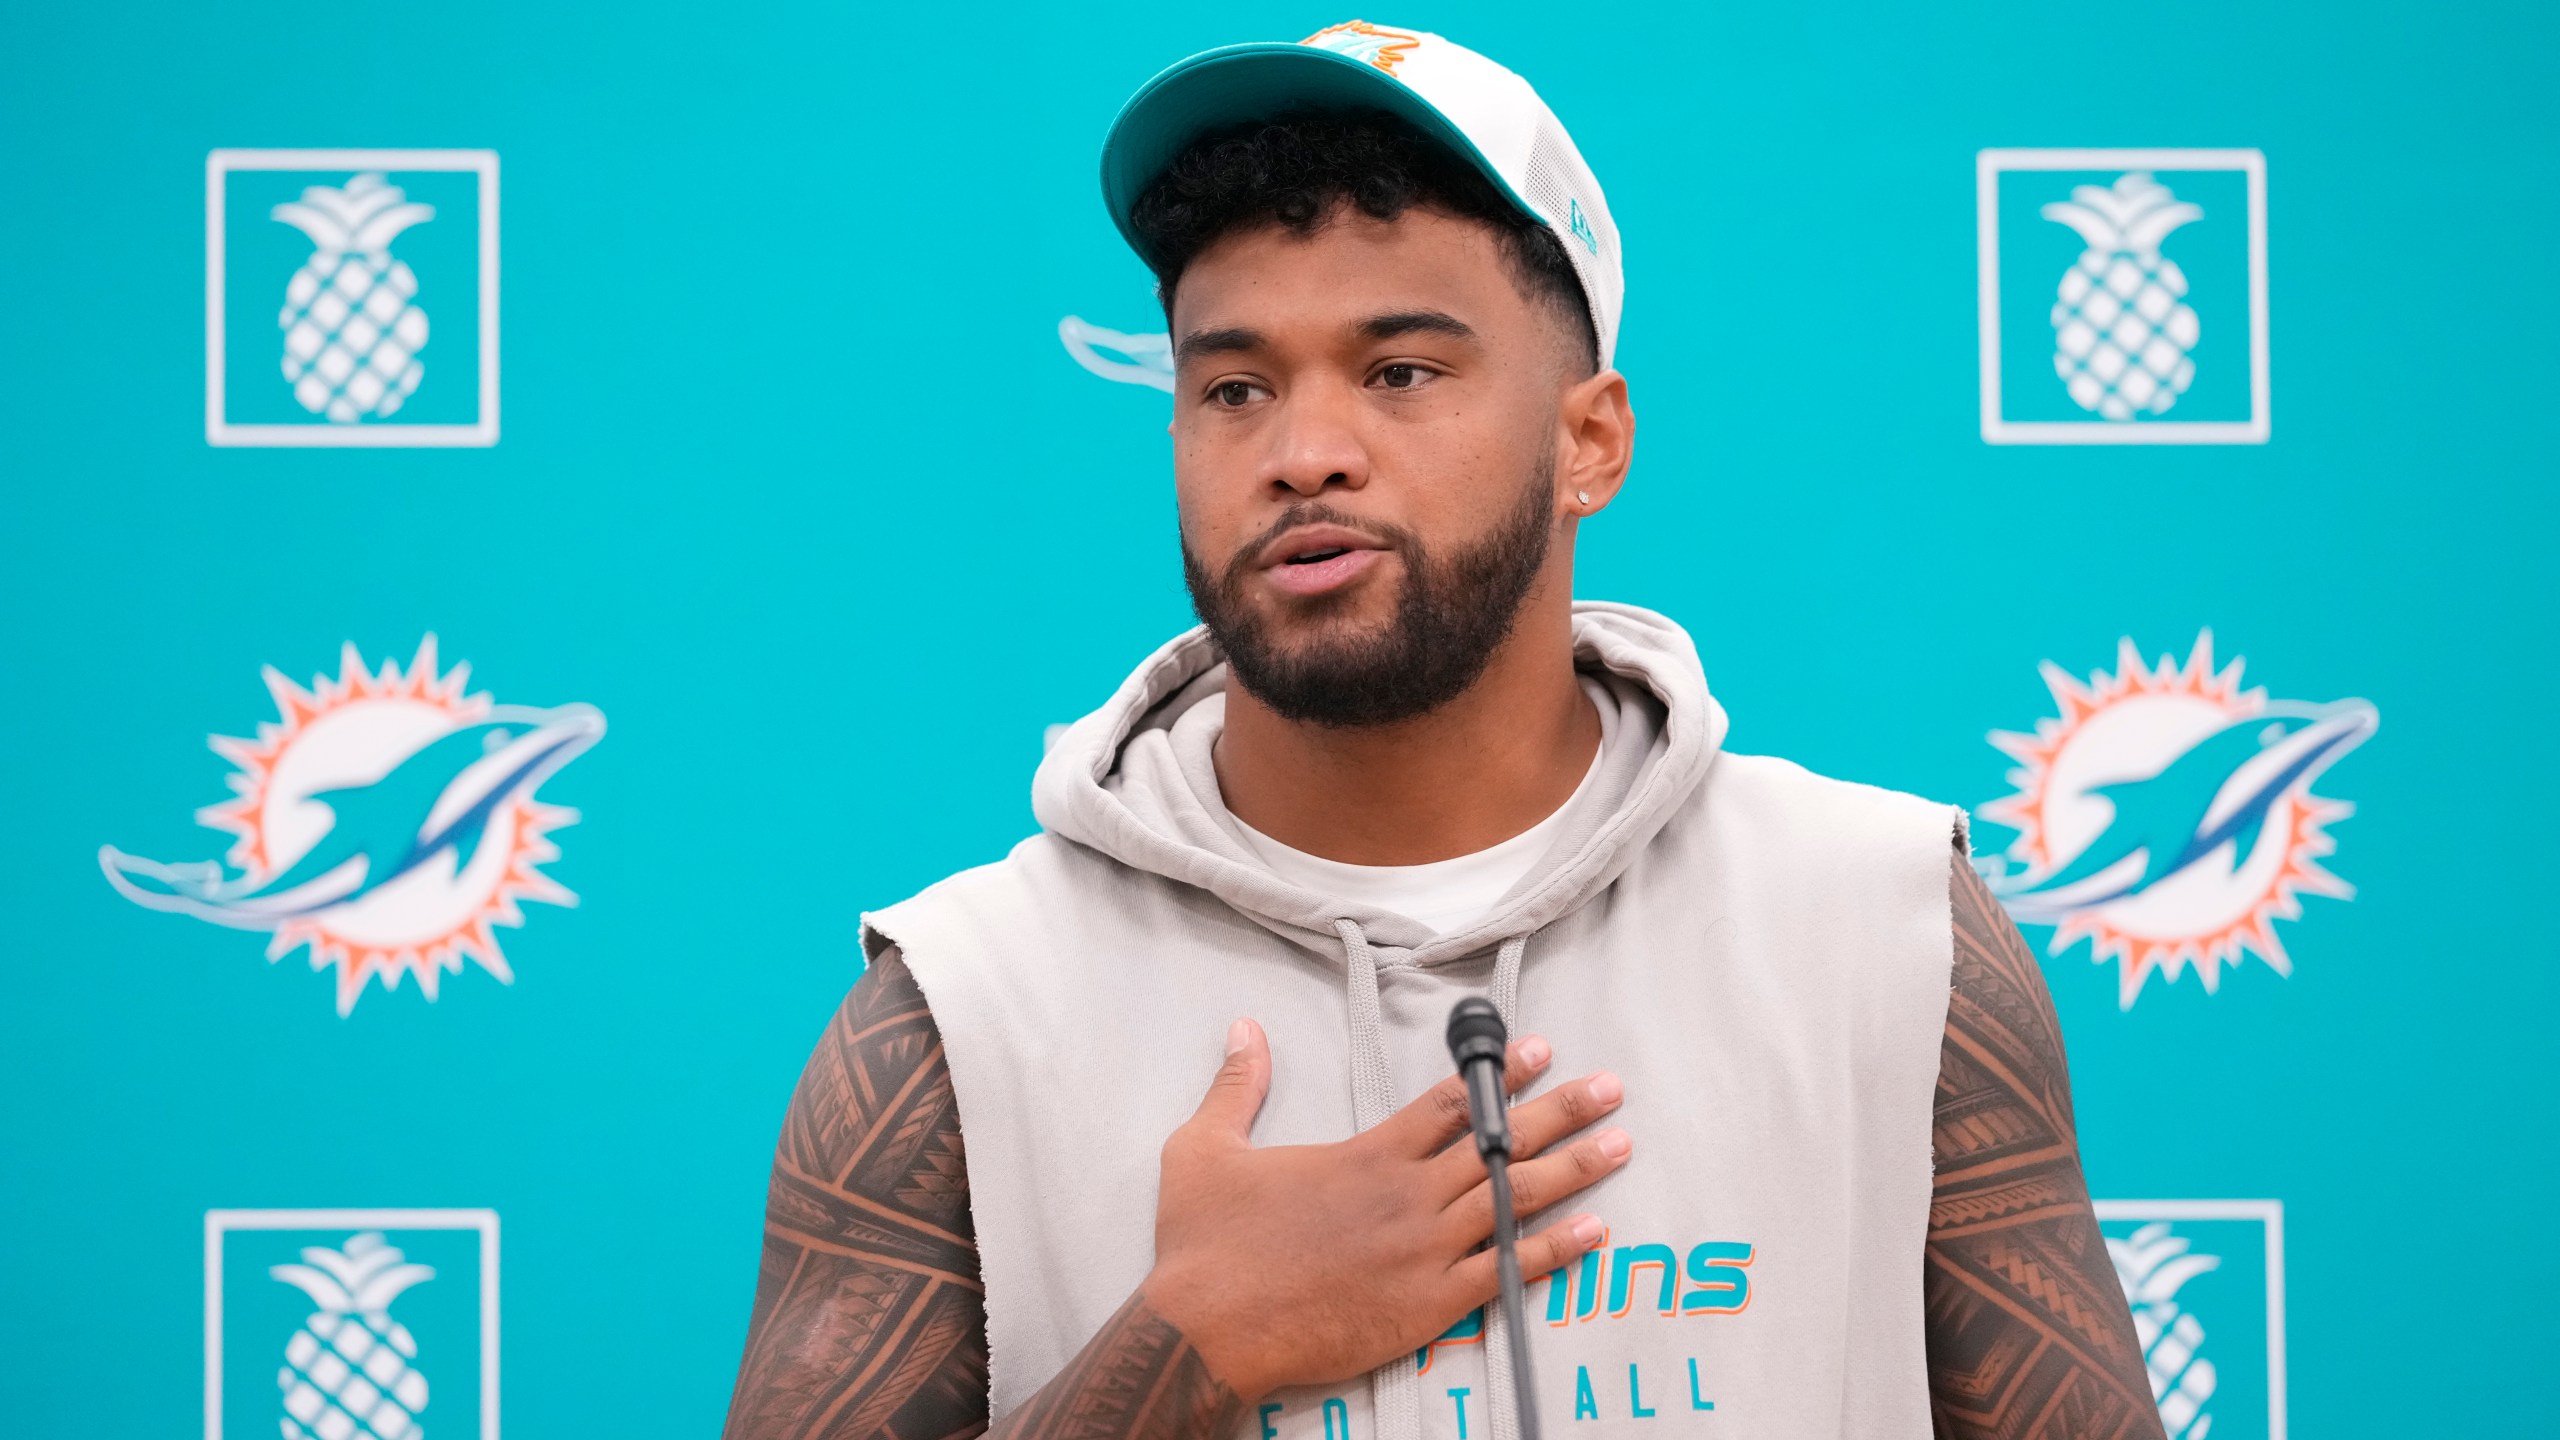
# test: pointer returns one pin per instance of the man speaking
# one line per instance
(1813, 1171)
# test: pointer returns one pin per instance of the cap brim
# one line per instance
(1239, 83)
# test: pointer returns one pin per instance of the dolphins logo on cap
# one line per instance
(1372, 44)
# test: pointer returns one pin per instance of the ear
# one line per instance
(1596, 441)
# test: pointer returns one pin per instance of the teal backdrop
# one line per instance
(795, 484)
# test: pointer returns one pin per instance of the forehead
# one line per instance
(1276, 281)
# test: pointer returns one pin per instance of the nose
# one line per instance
(1315, 446)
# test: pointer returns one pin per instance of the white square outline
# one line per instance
(219, 163)
(1989, 165)
(2269, 1213)
(218, 1223)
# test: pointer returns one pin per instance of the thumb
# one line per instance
(1235, 1093)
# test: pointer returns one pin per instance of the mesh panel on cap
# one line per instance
(1559, 184)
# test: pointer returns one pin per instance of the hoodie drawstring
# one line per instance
(1395, 1388)
(1498, 1358)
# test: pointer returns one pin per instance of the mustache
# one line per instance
(1315, 512)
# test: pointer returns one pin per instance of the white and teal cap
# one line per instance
(1477, 108)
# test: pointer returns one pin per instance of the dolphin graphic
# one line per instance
(435, 800)
(1129, 359)
(2217, 792)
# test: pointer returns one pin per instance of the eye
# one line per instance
(1399, 377)
(1233, 394)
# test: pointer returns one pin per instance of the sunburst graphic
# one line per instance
(385, 822)
(2165, 815)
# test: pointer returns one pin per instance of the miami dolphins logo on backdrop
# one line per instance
(1130, 359)
(2166, 816)
(386, 822)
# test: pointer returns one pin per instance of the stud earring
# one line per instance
(1584, 496)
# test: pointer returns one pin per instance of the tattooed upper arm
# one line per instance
(869, 1319)
(2029, 1333)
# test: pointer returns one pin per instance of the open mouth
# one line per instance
(1308, 560)
(1321, 566)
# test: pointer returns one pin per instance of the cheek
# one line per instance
(1213, 489)
(1469, 461)
(1198, 460)
(1203, 517)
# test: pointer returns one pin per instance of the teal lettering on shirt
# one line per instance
(1623, 1264)
(1719, 1283)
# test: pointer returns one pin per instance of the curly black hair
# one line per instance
(1294, 169)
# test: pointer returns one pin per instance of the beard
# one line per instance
(1451, 614)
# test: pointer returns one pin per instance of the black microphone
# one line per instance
(1477, 1041)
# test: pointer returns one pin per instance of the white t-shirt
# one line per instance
(1447, 895)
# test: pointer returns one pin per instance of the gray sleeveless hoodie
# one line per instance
(1762, 954)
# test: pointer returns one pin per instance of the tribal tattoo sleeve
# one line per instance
(2029, 1334)
(869, 1318)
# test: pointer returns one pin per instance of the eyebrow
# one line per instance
(1235, 339)
(1414, 322)
(1218, 342)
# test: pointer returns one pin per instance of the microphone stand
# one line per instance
(1477, 1042)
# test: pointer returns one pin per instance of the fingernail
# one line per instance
(1534, 1051)
(1588, 1230)
(1614, 1143)
(1237, 1035)
(1606, 1089)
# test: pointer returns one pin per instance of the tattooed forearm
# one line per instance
(2029, 1334)
(869, 1319)
(1139, 1379)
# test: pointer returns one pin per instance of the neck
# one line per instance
(1471, 774)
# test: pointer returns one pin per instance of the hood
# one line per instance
(1135, 781)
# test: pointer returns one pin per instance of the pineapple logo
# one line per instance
(384, 821)
(347, 1371)
(352, 329)
(2152, 1265)
(364, 1305)
(2121, 327)
(2165, 814)
(358, 246)
(2091, 331)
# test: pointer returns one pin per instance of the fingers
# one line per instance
(1537, 1184)
(1542, 1122)
(1563, 1111)
(1552, 1248)
(1439, 1115)
(1236, 1092)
